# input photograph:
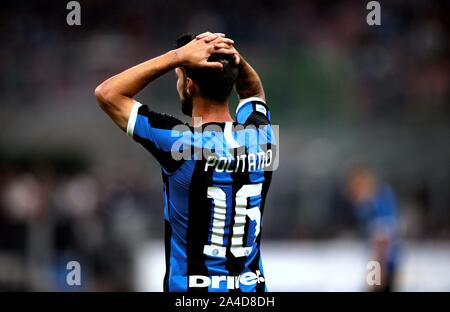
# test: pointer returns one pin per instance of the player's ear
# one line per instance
(190, 86)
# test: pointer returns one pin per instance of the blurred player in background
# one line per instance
(376, 209)
(213, 204)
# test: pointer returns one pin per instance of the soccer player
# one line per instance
(216, 172)
(376, 208)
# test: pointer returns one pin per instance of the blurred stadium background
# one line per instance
(73, 187)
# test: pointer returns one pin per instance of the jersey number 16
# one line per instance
(216, 247)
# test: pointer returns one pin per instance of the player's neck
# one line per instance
(205, 111)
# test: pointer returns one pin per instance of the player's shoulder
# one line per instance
(253, 110)
(158, 120)
(155, 126)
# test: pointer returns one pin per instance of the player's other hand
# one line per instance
(196, 53)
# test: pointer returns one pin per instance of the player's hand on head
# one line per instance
(228, 49)
(197, 52)
(209, 36)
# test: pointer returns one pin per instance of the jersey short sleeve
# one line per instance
(158, 133)
(253, 110)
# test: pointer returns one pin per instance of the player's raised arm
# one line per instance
(115, 95)
(248, 83)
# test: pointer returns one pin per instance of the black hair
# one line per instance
(214, 84)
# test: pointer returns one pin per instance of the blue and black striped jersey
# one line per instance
(216, 179)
